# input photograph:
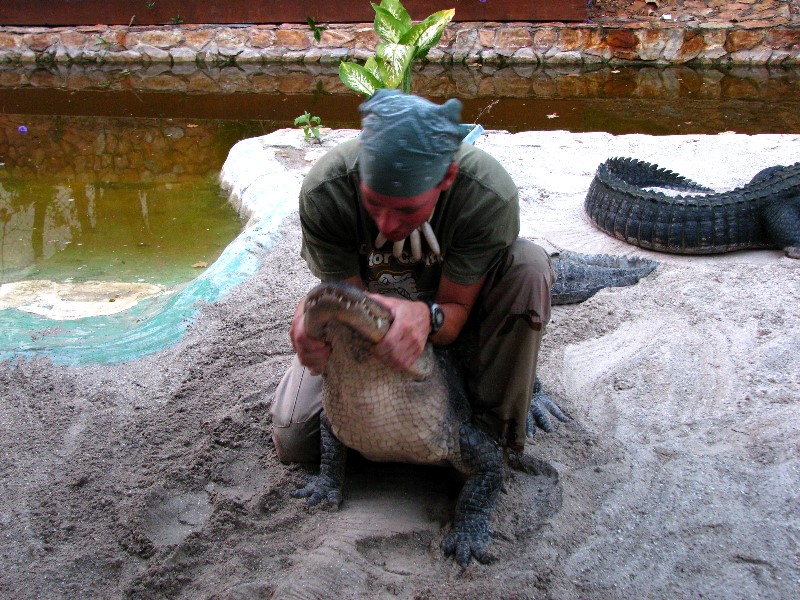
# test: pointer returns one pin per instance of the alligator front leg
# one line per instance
(470, 533)
(328, 484)
(783, 226)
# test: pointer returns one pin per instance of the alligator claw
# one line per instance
(467, 539)
(330, 481)
(320, 488)
(541, 409)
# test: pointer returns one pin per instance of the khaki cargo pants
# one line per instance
(501, 339)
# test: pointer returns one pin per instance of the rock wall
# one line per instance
(659, 43)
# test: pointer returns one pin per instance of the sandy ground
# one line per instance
(677, 477)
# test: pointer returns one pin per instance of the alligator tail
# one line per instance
(581, 276)
(618, 204)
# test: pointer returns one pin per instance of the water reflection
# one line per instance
(646, 99)
(111, 199)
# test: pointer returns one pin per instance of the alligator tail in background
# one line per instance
(764, 213)
(581, 276)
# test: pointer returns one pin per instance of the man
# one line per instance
(472, 284)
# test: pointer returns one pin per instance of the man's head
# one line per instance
(407, 145)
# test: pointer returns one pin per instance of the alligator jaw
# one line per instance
(345, 305)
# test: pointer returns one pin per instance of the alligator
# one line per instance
(423, 415)
(764, 213)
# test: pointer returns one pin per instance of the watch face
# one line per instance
(437, 317)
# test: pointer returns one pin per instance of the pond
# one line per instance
(121, 199)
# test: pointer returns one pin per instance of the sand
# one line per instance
(677, 477)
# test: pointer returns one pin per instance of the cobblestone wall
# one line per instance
(661, 42)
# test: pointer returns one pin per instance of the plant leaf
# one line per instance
(394, 60)
(373, 67)
(358, 79)
(426, 35)
(398, 12)
(387, 26)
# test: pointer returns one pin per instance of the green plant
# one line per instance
(316, 29)
(310, 126)
(176, 20)
(403, 43)
(150, 4)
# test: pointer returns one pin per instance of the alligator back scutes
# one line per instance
(641, 174)
(704, 223)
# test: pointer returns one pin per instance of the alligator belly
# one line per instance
(388, 416)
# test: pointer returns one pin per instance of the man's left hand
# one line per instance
(404, 342)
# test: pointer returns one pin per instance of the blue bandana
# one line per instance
(406, 142)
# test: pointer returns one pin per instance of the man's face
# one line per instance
(397, 216)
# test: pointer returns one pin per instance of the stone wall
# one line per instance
(657, 43)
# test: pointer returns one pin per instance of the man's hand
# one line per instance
(311, 352)
(404, 342)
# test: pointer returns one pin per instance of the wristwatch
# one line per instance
(437, 317)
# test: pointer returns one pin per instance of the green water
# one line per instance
(112, 199)
(157, 233)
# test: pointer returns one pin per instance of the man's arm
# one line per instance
(406, 338)
(456, 301)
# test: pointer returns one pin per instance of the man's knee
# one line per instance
(297, 442)
(520, 285)
(295, 415)
(529, 260)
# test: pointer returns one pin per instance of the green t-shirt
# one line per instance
(474, 221)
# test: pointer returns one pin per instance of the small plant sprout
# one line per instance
(176, 20)
(310, 125)
(316, 29)
(402, 44)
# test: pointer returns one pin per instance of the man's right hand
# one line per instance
(312, 353)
